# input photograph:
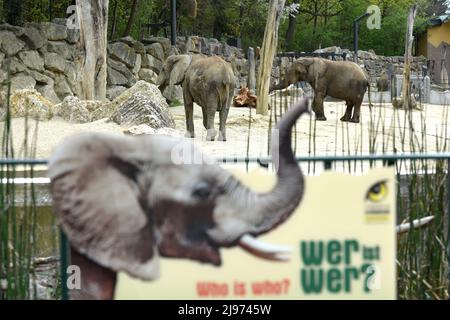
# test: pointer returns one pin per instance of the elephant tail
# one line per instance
(368, 92)
(225, 96)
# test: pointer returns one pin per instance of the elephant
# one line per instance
(383, 82)
(339, 79)
(207, 81)
(123, 201)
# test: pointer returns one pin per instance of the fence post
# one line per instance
(64, 263)
(251, 82)
(447, 224)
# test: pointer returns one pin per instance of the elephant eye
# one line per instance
(202, 190)
(377, 192)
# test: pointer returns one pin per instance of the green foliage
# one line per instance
(319, 23)
(338, 30)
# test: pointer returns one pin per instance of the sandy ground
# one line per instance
(320, 138)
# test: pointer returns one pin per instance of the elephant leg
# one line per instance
(205, 118)
(318, 108)
(189, 110)
(223, 119)
(211, 132)
(357, 112)
(348, 112)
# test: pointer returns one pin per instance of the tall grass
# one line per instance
(423, 187)
(18, 213)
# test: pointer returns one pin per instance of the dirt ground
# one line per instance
(331, 137)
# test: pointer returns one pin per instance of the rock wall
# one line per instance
(374, 64)
(43, 56)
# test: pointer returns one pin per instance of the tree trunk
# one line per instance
(268, 50)
(291, 30)
(91, 63)
(133, 12)
(219, 19)
(406, 92)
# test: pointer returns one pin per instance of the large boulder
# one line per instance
(115, 78)
(114, 92)
(136, 45)
(62, 88)
(22, 81)
(156, 50)
(142, 104)
(71, 74)
(40, 78)
(3, 77)
(15, 66)
(53, 31)
(32, 60)
(73, 35)
(173, 93)
(29, 103)
(137, 65)
(148, 75)
(48, 92)
(33, 38)
(18, 31)
(10, 44)
(144, 129)
(150, 62)
(54, 62)
(118, 79)
(163, 41)
(124, 53)
(61, 48)
(74, 110)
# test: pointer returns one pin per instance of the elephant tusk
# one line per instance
(405, 227)
(265, 250)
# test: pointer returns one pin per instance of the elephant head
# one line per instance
(174, 71)
(303, 69)
(125, 201)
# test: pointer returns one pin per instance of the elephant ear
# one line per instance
(314, 67)
(177, 67)
(97, 200)
(306, 61)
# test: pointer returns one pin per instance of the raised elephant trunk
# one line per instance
(277, 205)
(261, 212)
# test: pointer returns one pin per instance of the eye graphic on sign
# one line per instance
(377, 192)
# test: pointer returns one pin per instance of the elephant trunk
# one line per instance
(276, 206)
(256, 213)
(161, 82)
(282, 85)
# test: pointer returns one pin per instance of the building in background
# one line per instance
(434, 43)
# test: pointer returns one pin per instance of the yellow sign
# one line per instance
(343, 241)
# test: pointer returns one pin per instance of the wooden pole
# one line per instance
(406, 92)
(251, 81)
(91, 63)
(268, 51)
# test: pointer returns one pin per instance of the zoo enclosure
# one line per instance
(422, 258)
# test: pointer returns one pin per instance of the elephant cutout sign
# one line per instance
(341, 248)
(123, 202)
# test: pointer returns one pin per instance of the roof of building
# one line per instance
(437, 21)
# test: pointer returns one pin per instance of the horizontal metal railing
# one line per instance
(325, 158)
